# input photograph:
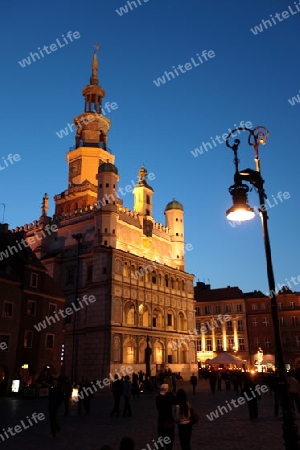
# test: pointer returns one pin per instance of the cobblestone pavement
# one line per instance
(232, 430)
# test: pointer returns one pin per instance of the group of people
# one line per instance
(184, 417)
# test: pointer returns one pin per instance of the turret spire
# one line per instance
(94, 78)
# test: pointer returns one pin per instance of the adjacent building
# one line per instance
(27, 296)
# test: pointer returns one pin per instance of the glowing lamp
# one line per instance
(240, 211)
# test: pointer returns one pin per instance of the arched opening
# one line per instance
(116, 350)
(157, 318)
(129, 314)
(129, 351)
(144, 316)
(158, 353)
(182, 322)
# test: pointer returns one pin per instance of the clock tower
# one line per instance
(90, 149)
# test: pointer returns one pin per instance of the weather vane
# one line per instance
(97, 47)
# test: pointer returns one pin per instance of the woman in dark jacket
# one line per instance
(183, 418)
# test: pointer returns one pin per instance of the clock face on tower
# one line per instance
(74, 168)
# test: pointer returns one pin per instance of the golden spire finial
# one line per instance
(94, 78)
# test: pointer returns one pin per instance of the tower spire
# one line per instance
(94, 80)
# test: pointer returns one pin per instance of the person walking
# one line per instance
(117, 388)
(55, 400)
(165, 423)
(248, 389)
(183, 418)
(67, 391)
(126, 395)
(194, 382)
(293, 391)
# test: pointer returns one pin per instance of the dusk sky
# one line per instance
(247, 76)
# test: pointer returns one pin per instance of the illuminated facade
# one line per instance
(133, 265)
(220, 322)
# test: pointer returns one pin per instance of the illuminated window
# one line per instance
(229, 326)
(199, 345)
(265, 322)
(241, 344)
(208, 345)
(219, 345)
(158, 353)
(230, 343)
(129, 314)
(28, 338)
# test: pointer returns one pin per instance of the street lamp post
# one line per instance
(74, 365)
(241, 211)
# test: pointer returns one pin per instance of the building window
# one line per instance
(170, 320)
(240, 325)
(254, 322)
(4, 342)
(31, 308)
(218, 309)
(241, 344)
(89, 273)
(208, 345)
(34, 280)
(267, 342)
(49, 341)
(199, 345)
(285, 341)
(229, 326)
(166, 281)
(28, 338)
(297, 341)
(279, 305)
(70, 275)
(239, 308)
(148, 199)
(197, 310)
(104, 270)
(106, 184)
(198, 326)
(219, 345)
(256, 343)
(265, 322)
(52, 309)
(295, 321)
(292, 305)
(7, 309)
(228, 308)
(282, 321)
(263, 306)
(230, 343)
(206, 309)
(254, 306)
